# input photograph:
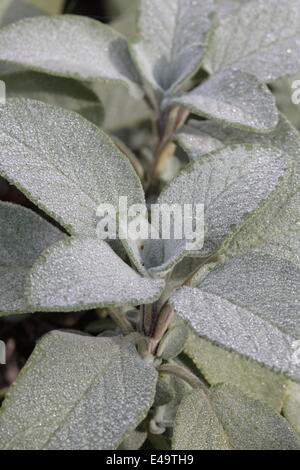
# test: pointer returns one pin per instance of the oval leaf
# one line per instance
(80, 274)
(262, 37)
(69, 46)
(23, 237)
(234, 97)
(64, 92)
(226, 419)
(229, 183)
(89, 393)
(249, 305)
(43, 143)
(173, 40)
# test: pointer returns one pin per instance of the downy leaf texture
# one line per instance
(261, 37)
(229, 183)
(218, 365)
(40, 142)
(233, 97)
(24, 235)
(227, 419)
(275, 228)
(173, 40)
(77, 392)
(70, 46)
(250, 305)
(79, 274)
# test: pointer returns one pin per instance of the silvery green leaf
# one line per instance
(64, 92)
(234, 97)
(291, 407)
(227, 6)
(275, 227)
(79, 274)
(82, 166)
(23, 236)
(173, 342)
(121, 109)
(249, 305)
(218, 365)
(195, 141)
(227, 419)
(174, 38)
(69, 46)
(229, 183)
(201, 137)
(262, 37)
(88, 393)
(275, 230)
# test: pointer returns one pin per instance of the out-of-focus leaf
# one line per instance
(220, 366)
(226, 419)
(121, 109)
(14, 10)
(291, 407)
(64, 92)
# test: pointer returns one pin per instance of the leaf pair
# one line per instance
(169, 50)
(42, 143)
(249, 302)
(86, 49)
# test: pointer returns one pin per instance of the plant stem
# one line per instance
(163, 323)
(130, 155)
(162, 158)
(120, 320)
(165, 148)
(184, 374)
(147, 319)
(189, 280)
